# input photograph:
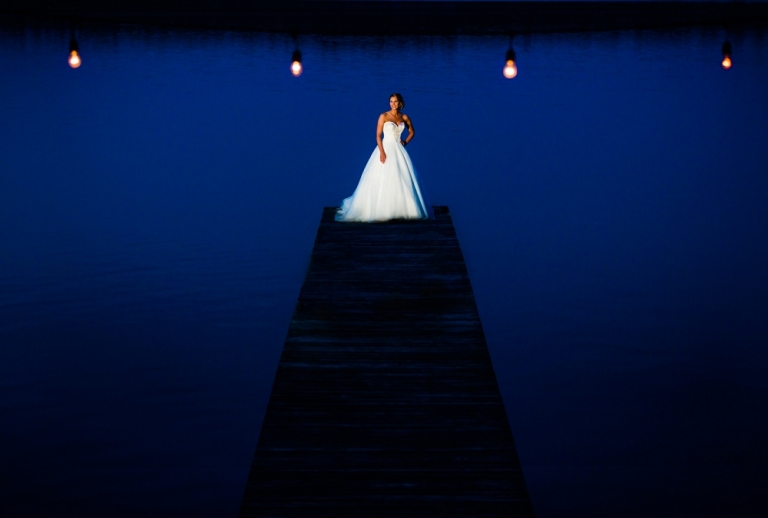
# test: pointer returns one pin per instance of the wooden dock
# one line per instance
(385, 402)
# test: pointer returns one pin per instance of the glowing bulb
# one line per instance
(727, 49)
(510, 70)
(296, 67)
(74, 59)
(74, 55)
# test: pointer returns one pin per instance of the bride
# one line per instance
(388, 188)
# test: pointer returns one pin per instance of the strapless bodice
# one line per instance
(393, 131)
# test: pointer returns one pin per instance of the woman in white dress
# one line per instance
(388, 188)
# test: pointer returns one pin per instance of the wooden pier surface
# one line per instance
(385, 402)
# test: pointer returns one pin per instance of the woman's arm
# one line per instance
(379, 129)
(411, 131)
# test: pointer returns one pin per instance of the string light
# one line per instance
(74, 54)
(296, 66)
(510, 69)
(727, 63)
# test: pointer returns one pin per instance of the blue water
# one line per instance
(159, 206)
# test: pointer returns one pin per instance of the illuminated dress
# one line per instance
(389, 190)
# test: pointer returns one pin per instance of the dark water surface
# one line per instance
(158, 206)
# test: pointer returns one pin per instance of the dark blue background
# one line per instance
(159, 204)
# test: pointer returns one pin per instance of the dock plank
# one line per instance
(385, 400)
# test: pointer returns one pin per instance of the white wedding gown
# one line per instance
(389, 190)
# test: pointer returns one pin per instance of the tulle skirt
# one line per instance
(386, 191)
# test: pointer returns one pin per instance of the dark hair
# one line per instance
(399, 99)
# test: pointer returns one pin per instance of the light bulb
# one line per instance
(727, 50)
(74, 59)
(510, 70)
(296, 67)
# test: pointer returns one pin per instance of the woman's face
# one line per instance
(394, 103)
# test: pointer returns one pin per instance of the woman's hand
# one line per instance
(403, 142)
(382, 157)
